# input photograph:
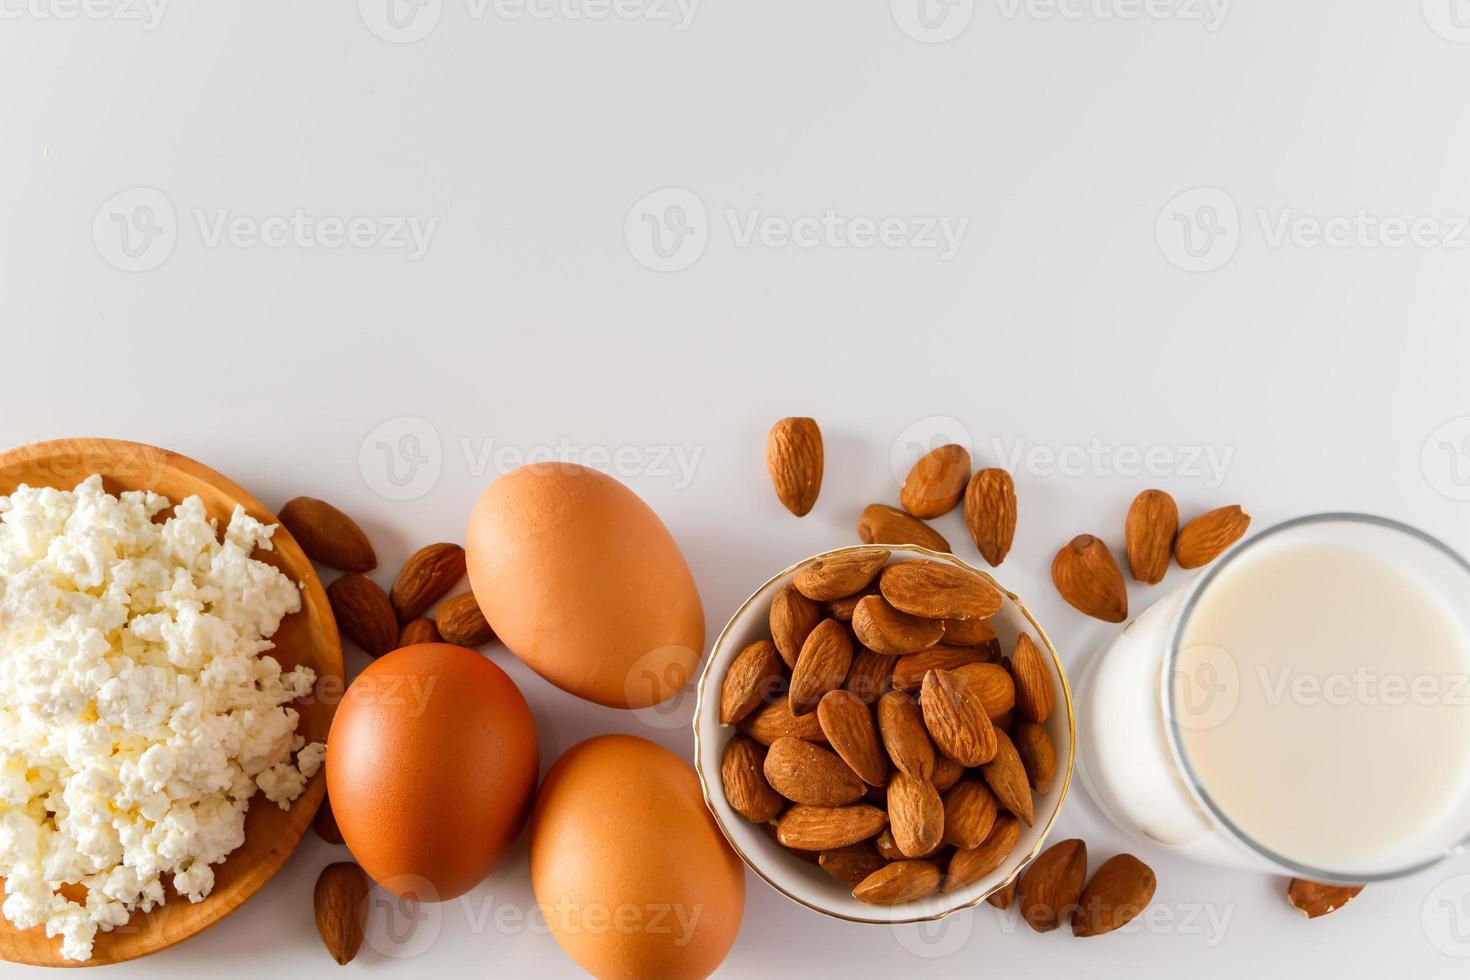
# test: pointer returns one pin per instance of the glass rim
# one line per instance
(1171, 720)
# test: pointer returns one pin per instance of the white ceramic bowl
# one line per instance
(804, 882)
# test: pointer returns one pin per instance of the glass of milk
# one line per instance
(1301, 706)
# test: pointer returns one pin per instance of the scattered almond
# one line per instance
(899, 882)
(742, 769)
(775, 720)
(851, 864)
(1051, 887)
(1038, 755)
(421, 630)
(1315, 898)
(990, 513)
(956, 720)
(804, 772)
(937, 481)
(901, 726)
(1035, 694)
(1006, 777)
(753, 676)
(915, 815)
(341, 909)
(364, 614)
(881, 524)
(969, 865)
(822, 828)
(969, 813)
(1120, 889)
(327, 535)
(462, 622)
(1153, 520)
(821, 666)
(839, 576)
(1087, 577)
(1202, 539)
(425, 578)
(938, 591)
(1004, 896)
(794, 460)
(870, 676)
(908, 672)
(850, 730)
(884, 629)
(793, 617)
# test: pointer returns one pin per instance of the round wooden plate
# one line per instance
(308, 637)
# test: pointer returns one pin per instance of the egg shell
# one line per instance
(581, 580)
(431, 768)
(631, 871)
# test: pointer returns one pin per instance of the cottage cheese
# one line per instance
(139, 712)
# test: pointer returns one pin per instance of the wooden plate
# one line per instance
(308, 637)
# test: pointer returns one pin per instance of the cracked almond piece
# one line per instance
(1315, 898)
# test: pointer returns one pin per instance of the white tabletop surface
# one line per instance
(151, 150)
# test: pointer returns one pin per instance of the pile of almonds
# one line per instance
(881, 731)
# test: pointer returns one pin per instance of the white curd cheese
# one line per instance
(139, 712)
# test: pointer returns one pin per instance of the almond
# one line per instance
(751, 679)
(956, 719)
(947, 772)
(1006, 777)
(908, 672)
(969, 813)
(969, 632)
(901, 726)
(992, 684)
(1202, 539)
(899, 882)
(1087, 577)
(364, 613)
(821, 666)
(1153, 520)
(1035, 695)
(325, 824)
(842, 609)
(793, 617)
(327, 535)
(425, 578)
(341, 909)
(462, 622)
(840, 575)
(1038, 755)
(742, 769)
(870, 676)
(883, 629)
(1120, 889)
(969, 865)
(1052, 885)
(881, 524)
(775, 720)
(990, 513)
(936, 482)
(1314, 898)
(848, 724)
(884, 843)
(421, 630)
(851, 864)
(938, 591)
(915, 815)
(794, 460)
(807, 773)
(1004, 896)
(822, 828)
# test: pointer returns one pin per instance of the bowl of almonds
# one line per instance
(884, 734)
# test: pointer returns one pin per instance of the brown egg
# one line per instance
(431, 768)
(582, 581)
(633, 875)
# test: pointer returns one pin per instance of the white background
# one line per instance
(1065, 319)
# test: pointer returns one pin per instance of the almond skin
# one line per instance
(1314, 898)
(1202, 539)
(364, 613)
(992, 684)
(851, 864)
(1038, 755)
(1052, 886)
(908, 672)
(750, 680)
(806, 773)
(775, 720)
(915, 815)
(883, 629)
(938, 591)
(1086, 575)
(793, 617)
(901, 726)
(794, 461)
(956, 719)
(840, 575)
(425, 578)
(990, 513)
(969, 865)
(1153, 521)
(1006, 777)
(421, 630)
(327, 535)
(340, 899)
(821, 667)
(742, 770)
(1035, 694)
(969, 813)
(870, 676)
(461, 621)
(1120, 889)
(937, 481)
(852, 733)
(899, 882)
(881, 524)
(822, 828)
